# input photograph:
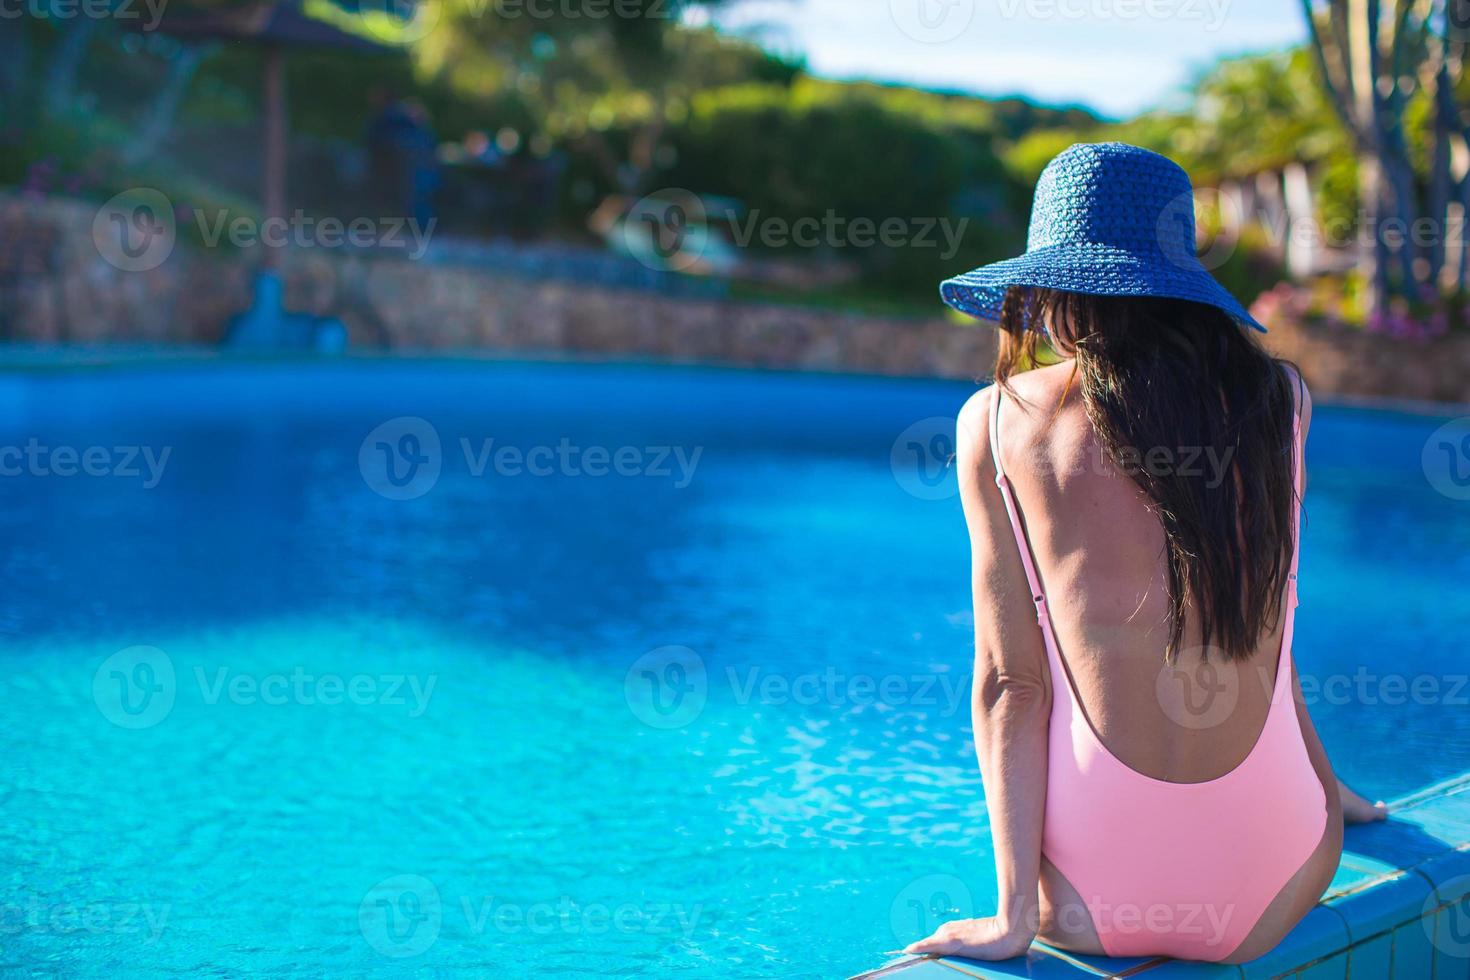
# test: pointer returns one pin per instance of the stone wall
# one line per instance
(55, 286)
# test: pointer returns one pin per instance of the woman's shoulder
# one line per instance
(1301, 395)
(1040, 386)
(976, 420)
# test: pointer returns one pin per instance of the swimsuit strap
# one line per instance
(1038, 596)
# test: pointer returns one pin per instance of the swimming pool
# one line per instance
(639, 672)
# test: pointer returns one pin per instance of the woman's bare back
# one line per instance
(1099, 550)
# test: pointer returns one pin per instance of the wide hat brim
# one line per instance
(1097, 270)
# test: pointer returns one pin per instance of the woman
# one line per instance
(1154, 782)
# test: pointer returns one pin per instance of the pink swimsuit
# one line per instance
(1173, 869)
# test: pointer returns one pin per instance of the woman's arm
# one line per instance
(1355, 808)
(1011, 702)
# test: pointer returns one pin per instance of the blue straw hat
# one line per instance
(1109, 220)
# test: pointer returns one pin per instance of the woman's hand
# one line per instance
(979, 939)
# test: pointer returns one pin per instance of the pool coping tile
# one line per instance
(1379, 908)
(1411, 945)
(1449, 873)
(1373, 958)
(1322, 934)
(1190, 970)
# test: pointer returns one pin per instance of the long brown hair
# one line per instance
(1183, 376)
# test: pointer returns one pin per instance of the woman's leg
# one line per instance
(1356, 809)
(1065, 921)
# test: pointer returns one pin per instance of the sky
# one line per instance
(1117, 56)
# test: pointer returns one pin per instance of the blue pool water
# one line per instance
(698, 718)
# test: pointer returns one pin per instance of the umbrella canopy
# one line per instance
(282, 22)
